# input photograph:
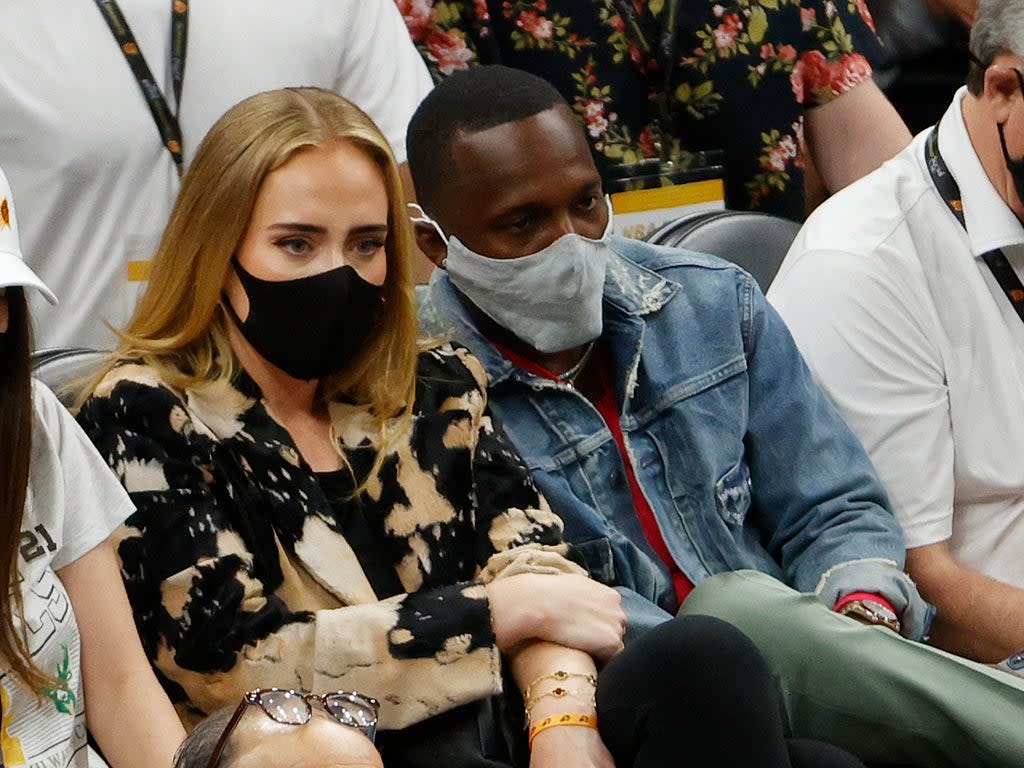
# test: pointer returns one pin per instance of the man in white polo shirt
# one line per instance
(903, 293)
(93, 174)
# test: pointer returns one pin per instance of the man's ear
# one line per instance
(430, 243)
(1001, 87)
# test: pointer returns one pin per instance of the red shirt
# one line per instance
(608, 407)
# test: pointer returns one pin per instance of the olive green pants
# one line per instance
(883, 698)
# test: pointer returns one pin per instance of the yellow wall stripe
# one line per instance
(636, 200)
(138, 271)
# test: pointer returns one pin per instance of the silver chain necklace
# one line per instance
(569, 376)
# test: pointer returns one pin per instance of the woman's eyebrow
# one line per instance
(297, 227)
(370, 229)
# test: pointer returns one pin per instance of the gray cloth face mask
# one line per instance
(550, 299)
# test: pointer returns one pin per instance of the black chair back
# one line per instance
(61, 368)
(755, 241)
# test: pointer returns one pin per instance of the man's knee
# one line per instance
(740, 597)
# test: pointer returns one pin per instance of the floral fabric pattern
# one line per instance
(739, 77)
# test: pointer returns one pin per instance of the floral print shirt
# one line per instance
(740, 75)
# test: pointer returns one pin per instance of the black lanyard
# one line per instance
(166, 120)
(950, 192)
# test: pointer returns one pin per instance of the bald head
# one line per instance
(260, 742)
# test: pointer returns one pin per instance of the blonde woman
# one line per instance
(321, 504)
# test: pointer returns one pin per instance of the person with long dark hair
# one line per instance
(66, 631)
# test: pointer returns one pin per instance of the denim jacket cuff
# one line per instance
(882, 577)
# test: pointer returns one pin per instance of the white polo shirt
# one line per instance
(911, 336)
(92, 181)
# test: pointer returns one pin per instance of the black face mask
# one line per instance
(1015, 167)
(310, 327)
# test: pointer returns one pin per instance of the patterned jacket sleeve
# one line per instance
(517, 530)
(207, 609)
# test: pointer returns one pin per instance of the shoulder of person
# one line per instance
(132, 393)
(863, 216)
(52, 423)
(865, 234)
(450, 365)
(46, 406)
(140, 376)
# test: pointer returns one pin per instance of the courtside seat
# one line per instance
(755, 241)
(61, 368)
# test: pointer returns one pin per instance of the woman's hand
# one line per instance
(573, 611)
(569, 747)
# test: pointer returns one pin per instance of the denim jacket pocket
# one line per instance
(732, 494)
(596, 556)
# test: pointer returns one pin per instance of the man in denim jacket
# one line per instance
(668, 417)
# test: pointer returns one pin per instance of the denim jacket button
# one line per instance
(615, 479)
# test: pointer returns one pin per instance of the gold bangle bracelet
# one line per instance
(560, 677)
(568, 718)
(560, 693)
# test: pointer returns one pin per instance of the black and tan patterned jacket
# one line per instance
(238, 573)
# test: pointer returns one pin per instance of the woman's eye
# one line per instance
(587, 203)
(296, 246)
(369, 247)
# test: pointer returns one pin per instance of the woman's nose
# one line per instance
(333, 258)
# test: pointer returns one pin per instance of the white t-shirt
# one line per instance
(94, 184)
(911, 336)
(74, 503)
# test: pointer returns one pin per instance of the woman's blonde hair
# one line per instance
(180, 325)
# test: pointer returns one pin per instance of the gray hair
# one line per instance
(998, 28)
(197, 748)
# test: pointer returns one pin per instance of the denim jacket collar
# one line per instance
(633, 289)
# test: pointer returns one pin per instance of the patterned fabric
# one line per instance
(238, 573)
(742, 73)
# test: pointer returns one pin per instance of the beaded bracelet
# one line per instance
(560, 677)
(569, 718)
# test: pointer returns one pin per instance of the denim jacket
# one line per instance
(742, 458)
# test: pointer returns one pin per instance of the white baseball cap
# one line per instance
(13, 269)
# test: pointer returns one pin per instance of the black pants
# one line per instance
(696, 692)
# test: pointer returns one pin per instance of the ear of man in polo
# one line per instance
(13, 269)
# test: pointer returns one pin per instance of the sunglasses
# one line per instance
(294, 708)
